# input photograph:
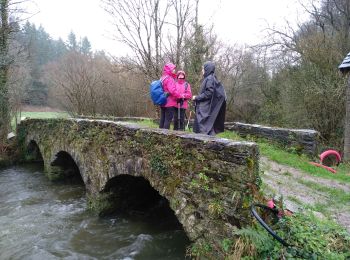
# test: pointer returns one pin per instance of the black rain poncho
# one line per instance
(210, 104)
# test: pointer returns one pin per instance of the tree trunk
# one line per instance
(346, 156)
(4, 67)
(156, 35)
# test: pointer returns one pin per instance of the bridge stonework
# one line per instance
(209, 182)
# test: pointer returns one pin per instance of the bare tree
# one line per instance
(230, 71)
(183, 10)
(154, 30)
(19, 77)
(139, 25)
(75, 82)
(332, 17)
(305, 80)
(92, 85)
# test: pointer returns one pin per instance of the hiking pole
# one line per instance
(181, 125)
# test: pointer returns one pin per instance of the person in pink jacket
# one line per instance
(183, 92)
(169, 87)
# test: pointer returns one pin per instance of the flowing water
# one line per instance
(44, 220)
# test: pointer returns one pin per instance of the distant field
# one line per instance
(45, 114)
(40, 109)
(40, 115)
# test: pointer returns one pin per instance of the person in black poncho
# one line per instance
(210, 103)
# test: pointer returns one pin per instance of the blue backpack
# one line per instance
(158, 96)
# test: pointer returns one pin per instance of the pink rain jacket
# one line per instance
(169, 85)
(183, 91)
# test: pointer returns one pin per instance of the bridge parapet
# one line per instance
(208, 181)
(303, 140)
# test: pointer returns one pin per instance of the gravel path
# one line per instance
(280, 180)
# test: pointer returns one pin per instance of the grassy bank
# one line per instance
(302, 162)
(45, 114)
(39, 115)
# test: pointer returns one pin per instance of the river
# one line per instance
(44, 220)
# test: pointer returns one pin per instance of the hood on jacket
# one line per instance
(181, 80)
(168, 69)
(209, 68)
(181, 72)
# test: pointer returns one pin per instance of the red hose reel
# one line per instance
(328, 159)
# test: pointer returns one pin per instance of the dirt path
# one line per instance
(301, 191)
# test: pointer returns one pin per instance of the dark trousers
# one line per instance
(166, 116)
(179, 124)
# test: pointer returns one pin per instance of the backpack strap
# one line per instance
(162, 79)
(186, 86)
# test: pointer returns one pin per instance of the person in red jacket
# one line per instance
(184, 93)
(169, 87)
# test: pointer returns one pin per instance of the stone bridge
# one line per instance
(207, 182)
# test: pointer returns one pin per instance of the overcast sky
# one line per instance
(235, 21)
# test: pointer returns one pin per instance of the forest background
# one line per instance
(290, 79)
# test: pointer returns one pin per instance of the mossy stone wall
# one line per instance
(209, 182)
(302, 140)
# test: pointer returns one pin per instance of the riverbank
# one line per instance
(9, 153)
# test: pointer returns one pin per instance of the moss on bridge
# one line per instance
(209, 182)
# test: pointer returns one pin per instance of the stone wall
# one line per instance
(303, 140)
(209, 182)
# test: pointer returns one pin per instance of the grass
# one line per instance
(337, 198)
(287, 173)
(268, 189)
(295, 200)
(301, 162)
(337, 195)
(308, 237)
(323, 208)
(231, 135)
(147, 123)
(45, 114)
(40, 115)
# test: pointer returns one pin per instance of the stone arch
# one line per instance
(129, 194)
(34, 153)
(104, 201)
(64, 167)
(209, 182)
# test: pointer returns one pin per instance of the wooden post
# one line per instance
(346, 156)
